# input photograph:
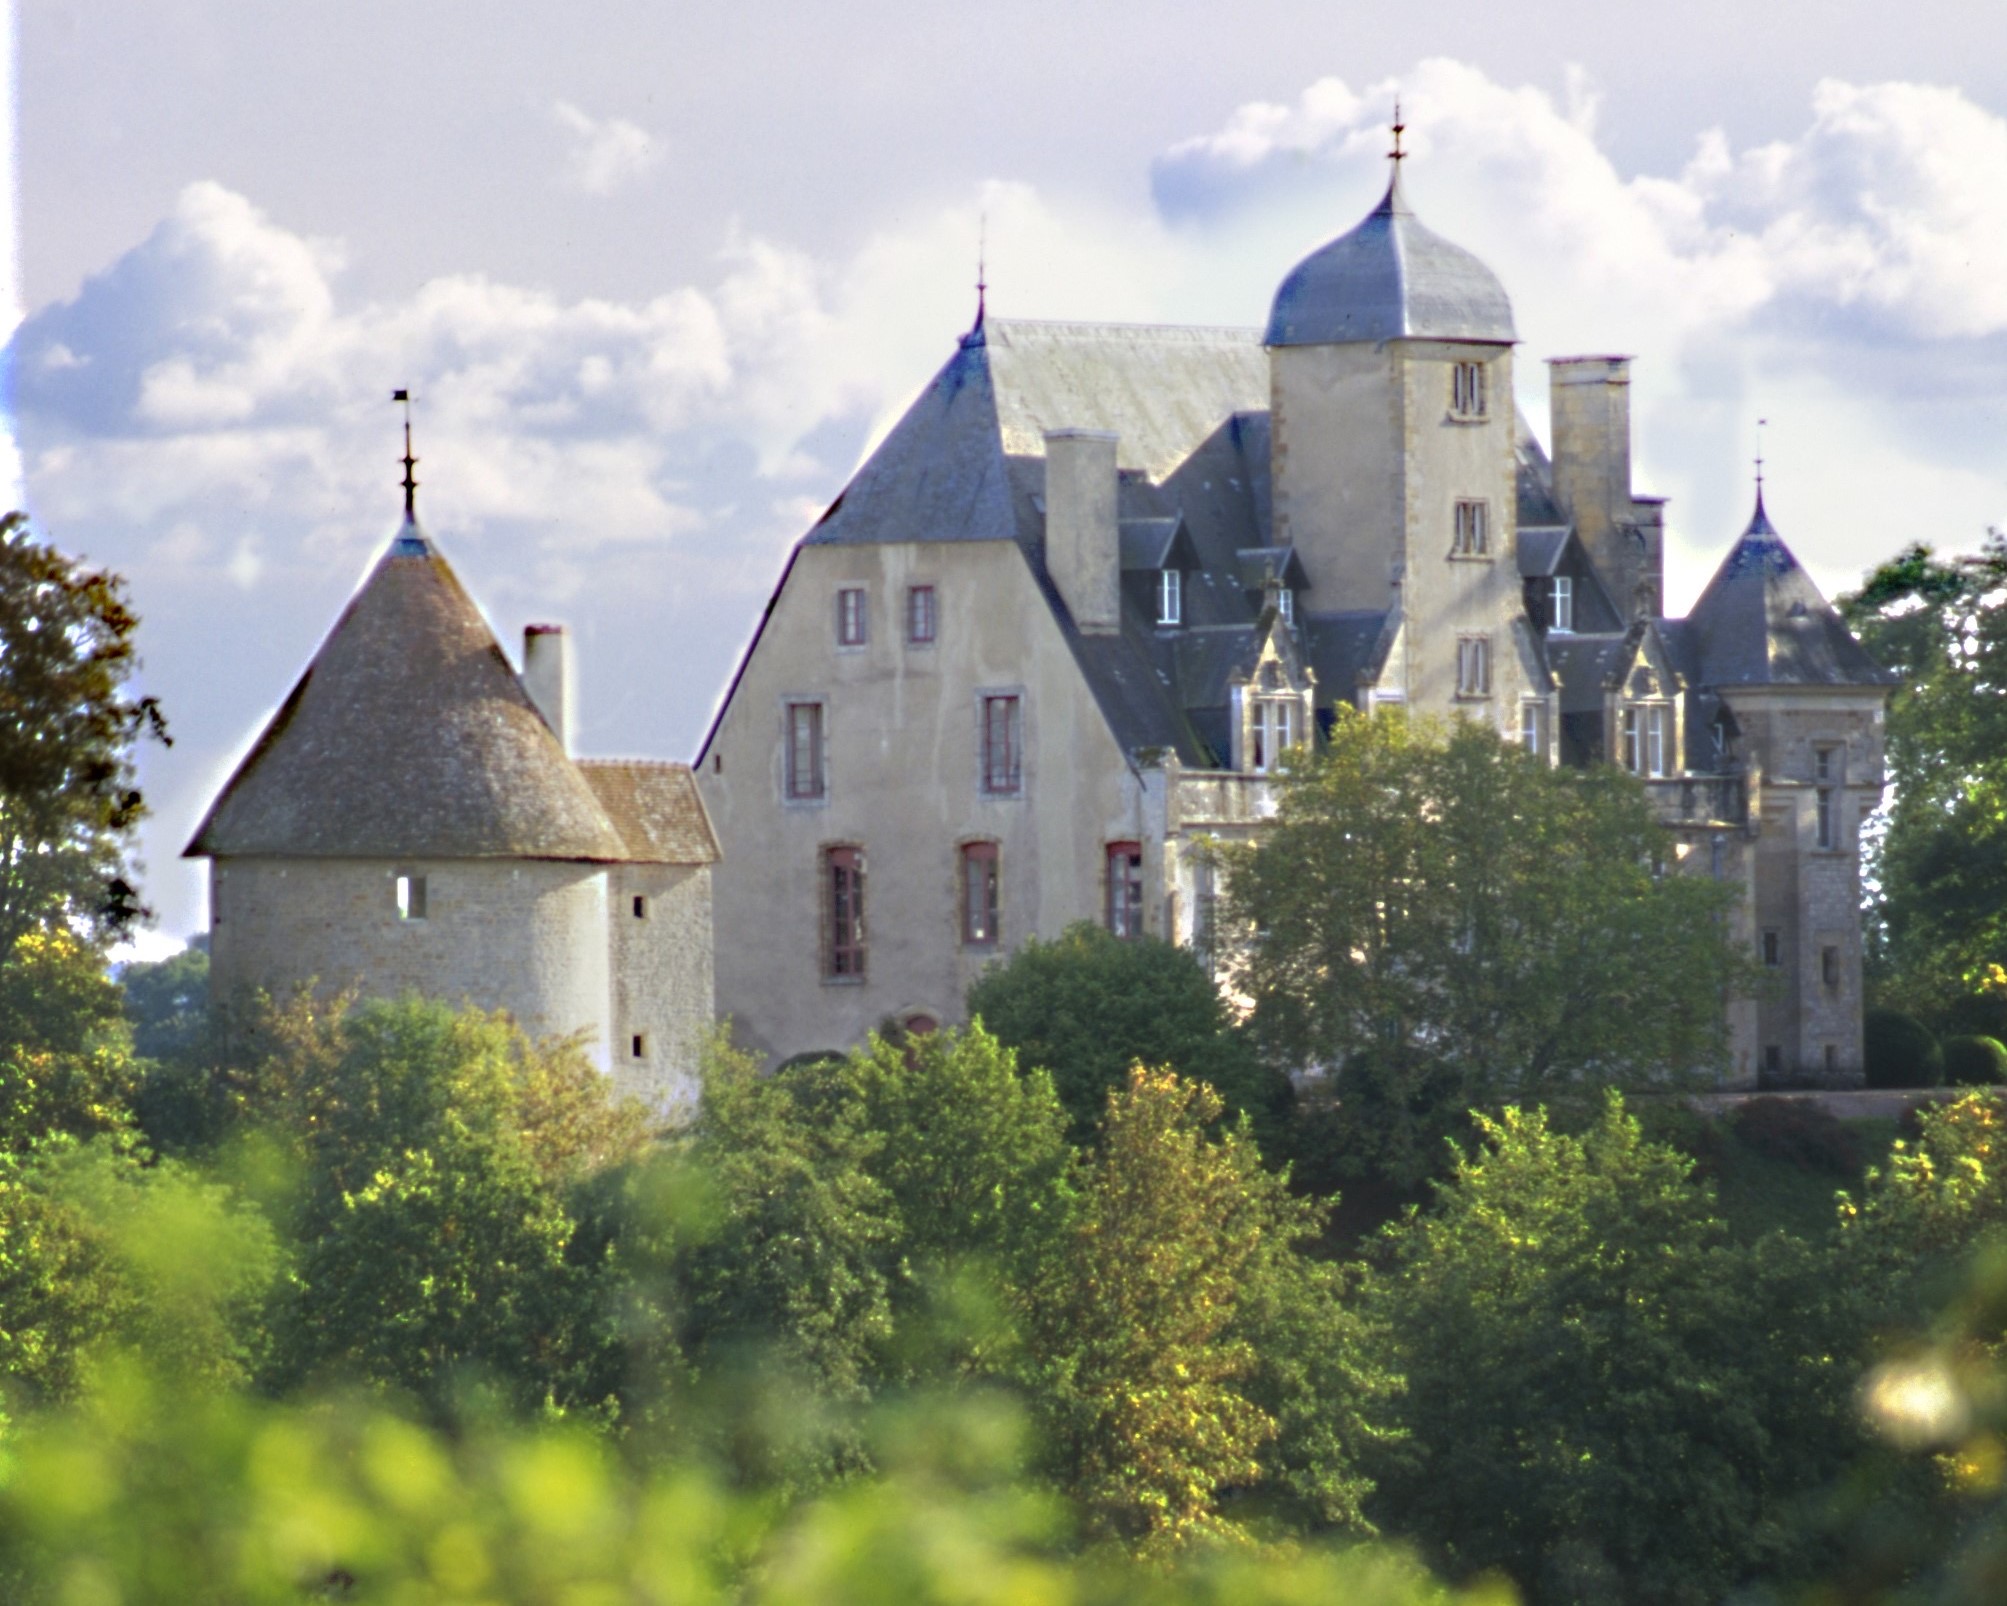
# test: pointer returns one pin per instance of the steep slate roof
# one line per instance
(1389, 279)
(656, 809)
(1762, 622)
(1344, 646)
(1585, 665)
(409, 736)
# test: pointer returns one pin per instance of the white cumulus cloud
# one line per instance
(606, 153)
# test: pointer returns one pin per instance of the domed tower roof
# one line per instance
(409, 736)
(1389, 279)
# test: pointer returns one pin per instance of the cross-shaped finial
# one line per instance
(1400, 128)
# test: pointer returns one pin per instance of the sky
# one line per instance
(657, 275)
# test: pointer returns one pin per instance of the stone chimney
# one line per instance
(1082, 537)
(1590, 398)
(547, 678)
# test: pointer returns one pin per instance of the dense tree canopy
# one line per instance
(1088, 1005)
(1446, 922)
(1938, 871)
(68, 805)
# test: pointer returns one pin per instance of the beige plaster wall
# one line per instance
(663, 987)
(900, 728)
(527, 936)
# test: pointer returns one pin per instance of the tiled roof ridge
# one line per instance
(1190, 333)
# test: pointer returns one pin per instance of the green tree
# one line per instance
(1145, 1373)
(167, 1001)
(1938, 872)
(1089, 1005)
(1607, 1398)
(66, 1064)
(435, 1153)
(68, 805)
(1447, 922)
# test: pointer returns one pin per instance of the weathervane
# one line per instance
(982, 273)
(410, 462)
(1400, 128)
(1760, 423)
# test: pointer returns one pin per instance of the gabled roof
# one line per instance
(1763, 622)
(1389, 279)
(1345, 649)
(656, 809)
(409, 736)
(1153, 543)
(1540, 550)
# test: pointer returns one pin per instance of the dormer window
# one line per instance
(1561, 604)
(1170, 596)
(1467, 399)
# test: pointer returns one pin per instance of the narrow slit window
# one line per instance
(638, 1046)
(1827, 826)
(411, 897)
(1773, 949)
(1655, 740)
(1125, 888)
(1467, 399)
(1533, 728)
(1633, 742)
(640, 907)
(1829, 966)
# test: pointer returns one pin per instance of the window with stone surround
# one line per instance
(803, 782)
(1473, 666)
(979, 890)
(920, 621)
(1467, 390)
(1001, 733)
(852, 620)
(843, 950)
(1472, 538)
(1829, 966)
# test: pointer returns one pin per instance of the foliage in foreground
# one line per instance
(1445, 923)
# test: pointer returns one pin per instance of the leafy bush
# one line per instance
(1975, 1061)
(1901, 1051)
(1799, 1132)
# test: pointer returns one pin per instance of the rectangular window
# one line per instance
(1170, 597)
(640, 907)
(1773, 948)
(1473, 666)
(852, 624)
(1828, 835)
(1467, 398)
(1473, 533)
(1773, 1060)
(1823, 760)
(1003, 740)
(804, 750)
(411, 897)
(1561, 600)
(1655, 740)
(1829, 966)
(638, 1046)
(843, 914)
(979, 894)
(1285, 604)
(1633, 745)
(919, 616)
(1273, 731)
(1533, 728)
(1125, 888)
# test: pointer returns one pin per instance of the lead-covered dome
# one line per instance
(1389, 279)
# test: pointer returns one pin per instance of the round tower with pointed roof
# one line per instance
(1393, 455)
(410, 821)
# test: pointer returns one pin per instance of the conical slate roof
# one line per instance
(1762, 622)
(409, 736)
(1389, 279)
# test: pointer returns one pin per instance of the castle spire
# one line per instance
(975, 335)
(1761, 520)
(410, 462)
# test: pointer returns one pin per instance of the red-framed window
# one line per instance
(979, 888)
(1125, 888)
(1003, 744)
(843, 950)
(920, 619)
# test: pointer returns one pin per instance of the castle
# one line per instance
(1061, 624)
(411, 821)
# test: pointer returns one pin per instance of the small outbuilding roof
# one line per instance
(656, 809)
(408, 736)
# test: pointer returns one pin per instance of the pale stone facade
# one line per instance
(411, 822)
(1153, 558)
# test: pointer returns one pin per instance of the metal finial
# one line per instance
(1400, 128)
(410, 462)
(1760, 424)
(982, 267)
